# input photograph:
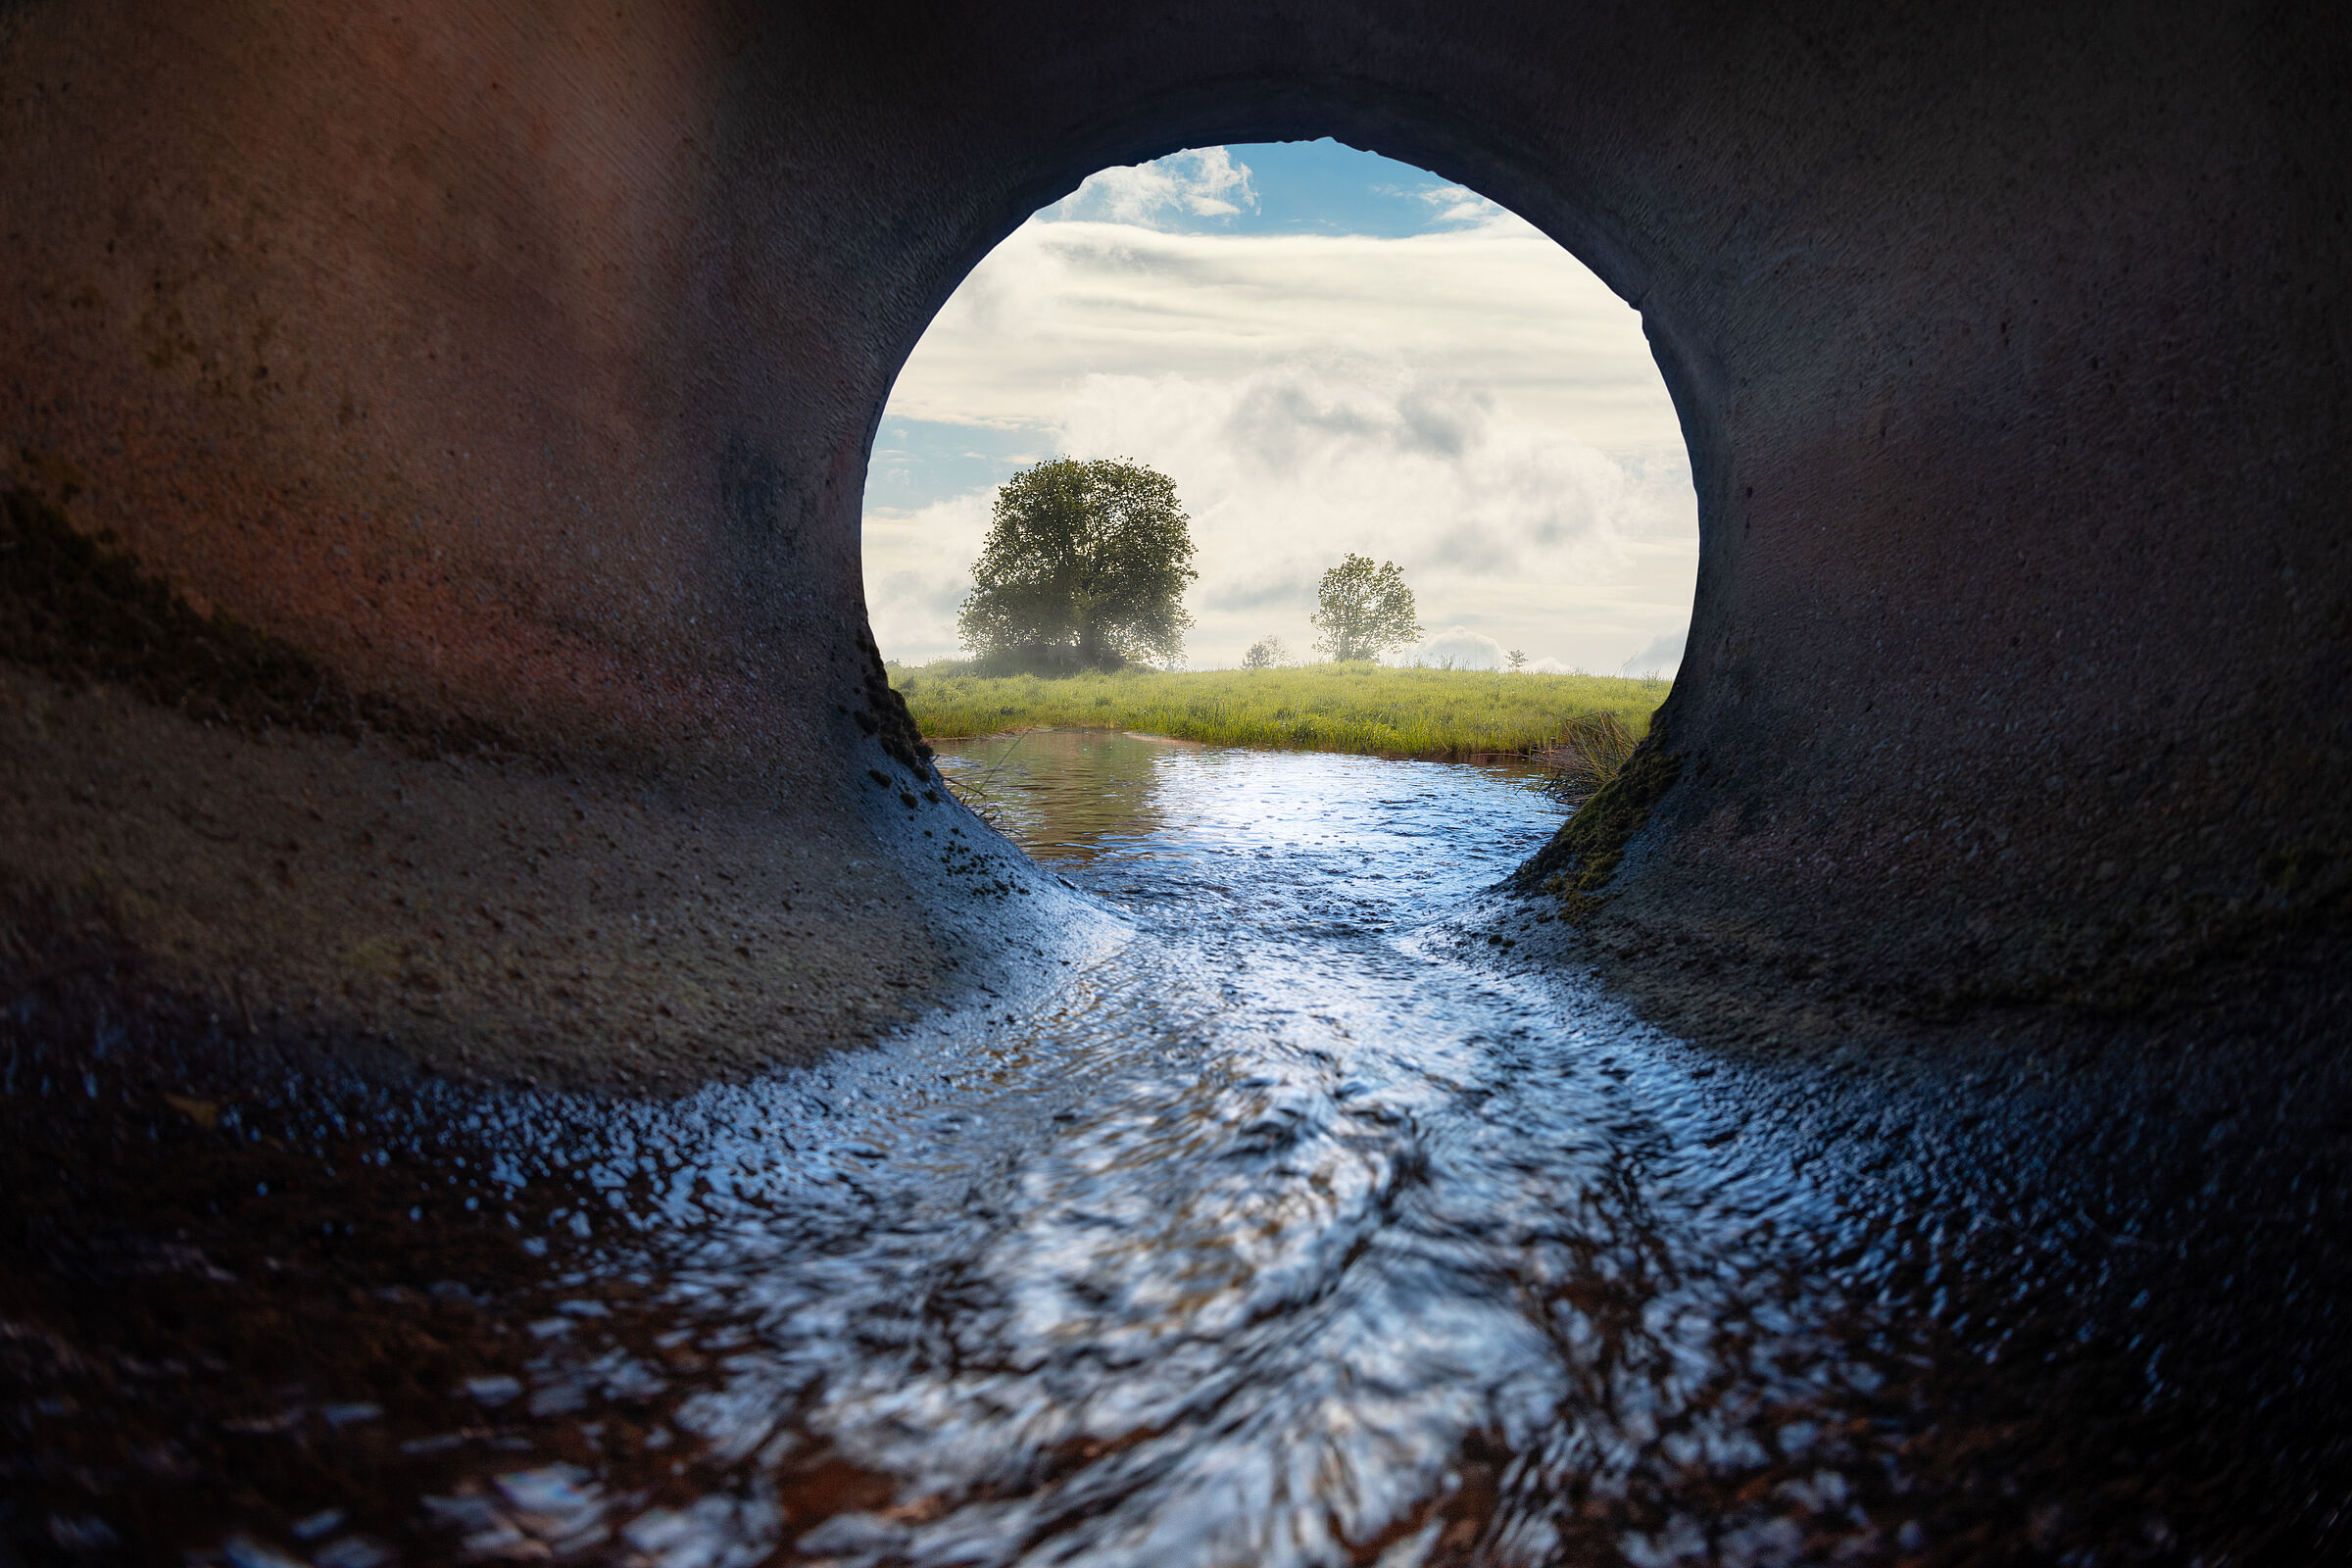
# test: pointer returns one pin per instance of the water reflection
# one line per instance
(1064, 794)
(1283, 1234)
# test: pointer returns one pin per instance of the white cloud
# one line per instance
(1462, 207)
(1288, 466)
(1460, 648)
(1469, 402)
(1662, 655)
(918, 568)
(1204, 183)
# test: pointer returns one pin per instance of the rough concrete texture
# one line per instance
(485, 917)
(520, 363)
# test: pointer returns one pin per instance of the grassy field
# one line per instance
(1436, 714)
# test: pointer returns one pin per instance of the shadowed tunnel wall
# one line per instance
(515, 368)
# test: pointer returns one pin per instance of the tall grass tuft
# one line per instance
(1590, 750)
(1441, 714)
(976, 788)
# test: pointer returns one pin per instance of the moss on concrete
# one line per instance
(1578, 864)
(886, 718)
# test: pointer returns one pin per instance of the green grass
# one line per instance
(1436, 714)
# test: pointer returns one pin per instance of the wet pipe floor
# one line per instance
(1292, 1229)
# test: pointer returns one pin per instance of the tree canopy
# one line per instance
(1366, 609)
(1085, 564)
(1267, 652)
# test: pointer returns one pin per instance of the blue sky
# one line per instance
(1327, 351)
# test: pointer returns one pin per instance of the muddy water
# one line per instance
(1297, 1227)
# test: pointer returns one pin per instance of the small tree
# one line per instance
(1366, 609)
(1086, 564)
(1265, 653)
(1515, 660)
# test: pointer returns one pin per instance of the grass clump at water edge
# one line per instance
(1438, 715)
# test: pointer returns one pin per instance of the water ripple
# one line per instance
(1283, 1234)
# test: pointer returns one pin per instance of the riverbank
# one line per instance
(1435, 714)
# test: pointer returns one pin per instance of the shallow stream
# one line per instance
(1298, 1226)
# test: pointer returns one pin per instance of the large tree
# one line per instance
(1085, 564)
(1366, 609)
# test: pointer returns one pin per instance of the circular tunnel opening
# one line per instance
(1329, 356)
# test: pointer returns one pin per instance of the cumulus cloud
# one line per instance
(1205, 183)
(1287, 467)
(1460, 207)
(1256, 592)
(1459, 647)
(919, 568)
(1468, 402)
(1662, 654)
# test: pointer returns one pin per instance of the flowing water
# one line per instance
(1295, 1226)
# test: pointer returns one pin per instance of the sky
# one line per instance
(1329, 353)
